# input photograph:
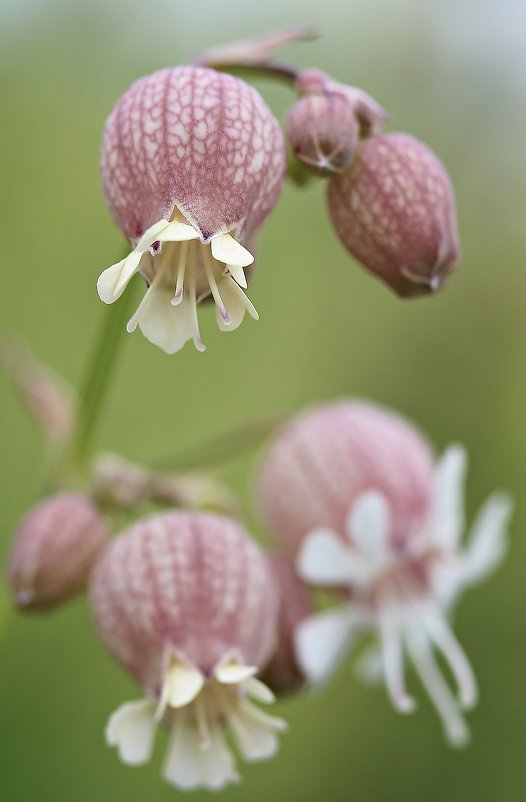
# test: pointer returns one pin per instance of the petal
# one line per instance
(322, 640)
(488, 542)
(183, 683)
(226, 249)
(151, 235)
(190, 765)
(165, 325)
(368, 523)
(238, 274)
(113, 281)
(369, 667)
(131, 729)
(232, 673)
(447, 503)
(259, 691)
(177, 232)
(255, 731)
(324, 559)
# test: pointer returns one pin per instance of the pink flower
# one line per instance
(355, 487)
(193, 162)
(54, 551)
(394, 211)
(187, 603)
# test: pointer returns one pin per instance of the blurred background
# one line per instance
(452, 73)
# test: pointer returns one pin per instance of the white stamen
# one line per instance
(215, 292)
(393, 661)
(441, 634)
(418, 647)
(181, 269)
(193, 302)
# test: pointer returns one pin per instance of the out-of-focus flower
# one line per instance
(48, 398)
(395, 546)
(283, 674)
(55, 550)
(394, 211)
(187, 603)
(193, 162)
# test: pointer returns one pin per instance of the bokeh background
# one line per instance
(452, 73)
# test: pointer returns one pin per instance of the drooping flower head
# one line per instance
(54, 551)
(192, 164)
(357, 489)
(186, 602)
(394, 211)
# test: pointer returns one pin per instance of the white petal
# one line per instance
(113, 281)
(368, 523)
(189, 764)
(259, 691)
(238, 274)
(447, 504)
(488, 542)
(255, 731)
(165, 325)
(151, 235)
(369, 666)
(131, 729)
(322, 640)
(183, 683)
(232, 673)
(226, 249)
(177, 232)
(324, 559)
(455, 727)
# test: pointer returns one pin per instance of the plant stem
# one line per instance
(99, 371)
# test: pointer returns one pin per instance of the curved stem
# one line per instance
(98, 374)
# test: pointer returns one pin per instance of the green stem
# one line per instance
(98, 374)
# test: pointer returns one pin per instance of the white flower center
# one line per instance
(198, 711)
(181, 271)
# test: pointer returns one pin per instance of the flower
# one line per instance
(401, 562)
(54, 551)
(282, 673)
(187, 603)
(394, 211)
(193, 162)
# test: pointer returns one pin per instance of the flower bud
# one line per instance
(54, 551)
(193, 162)
(283, 674)
(187, 603)
(394, 211)
(323, 133)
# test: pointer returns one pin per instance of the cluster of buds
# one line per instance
(389, 197)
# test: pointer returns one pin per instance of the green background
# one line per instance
(452, 73)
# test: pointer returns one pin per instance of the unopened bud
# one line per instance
(54, 551)
(322, 130)
(394, 211)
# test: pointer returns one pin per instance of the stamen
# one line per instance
(193, 304)
(438, 690)
(181, 269)
(441, 634)
(215, 292)
(202, 721)
(393, 660)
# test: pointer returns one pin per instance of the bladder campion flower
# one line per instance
(193, 162)
(54, 551)
(354, 487)
(394, 211)
(187, 603)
